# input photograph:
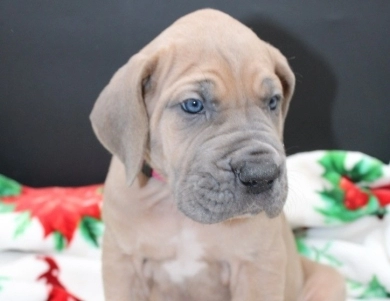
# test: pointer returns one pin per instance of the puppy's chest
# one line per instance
(182, 274)
(189, 257)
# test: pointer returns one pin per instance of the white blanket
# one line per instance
(338, 206)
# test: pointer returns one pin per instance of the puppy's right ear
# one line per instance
(119, 118)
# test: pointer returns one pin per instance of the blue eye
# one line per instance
(192, 106)
(273, 102)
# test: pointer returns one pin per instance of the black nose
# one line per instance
(257, 176)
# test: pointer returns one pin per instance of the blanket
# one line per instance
(338, 206)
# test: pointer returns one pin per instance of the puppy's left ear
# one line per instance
(286, 77)
(119, 117)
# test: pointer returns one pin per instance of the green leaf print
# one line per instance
(59, 241)
(333, 162)
(302, 248)
(91, 229)
(9, 187)
(22, 220)
(5, 208)
(322, 255)
(366, 170)
(374, 289)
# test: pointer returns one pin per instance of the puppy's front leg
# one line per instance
(120, 278)
(322, 283)
(258, 283)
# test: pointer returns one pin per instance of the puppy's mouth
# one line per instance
(208, 199)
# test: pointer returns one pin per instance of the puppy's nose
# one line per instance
(257, 176)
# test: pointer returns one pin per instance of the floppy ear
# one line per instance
(119, 118)
(286, 77)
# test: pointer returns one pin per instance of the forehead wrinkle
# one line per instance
(220, 86)
(206, 89)
(271, 85)
(185, 70)
(268, 82)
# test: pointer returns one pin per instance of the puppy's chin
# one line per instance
(205, 200)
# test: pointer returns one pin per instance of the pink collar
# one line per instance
(157, 176)
(148, 171)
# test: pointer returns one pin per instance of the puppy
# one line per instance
(203, 105)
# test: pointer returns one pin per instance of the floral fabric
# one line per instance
(55, 235)
(338, 207)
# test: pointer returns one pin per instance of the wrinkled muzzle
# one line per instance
(240, 177)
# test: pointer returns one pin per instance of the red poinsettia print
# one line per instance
(57, 292)
(58, 209)
(354, 197)
(382, 194)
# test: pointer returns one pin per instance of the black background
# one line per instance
(56, 56)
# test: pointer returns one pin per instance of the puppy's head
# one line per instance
(204, 103)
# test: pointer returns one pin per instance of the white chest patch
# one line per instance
(187, 262)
